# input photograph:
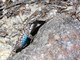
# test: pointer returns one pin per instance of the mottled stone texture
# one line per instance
(58, 39)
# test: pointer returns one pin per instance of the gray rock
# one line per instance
(58, 39)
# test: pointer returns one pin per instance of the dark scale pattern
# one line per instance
(1, 10)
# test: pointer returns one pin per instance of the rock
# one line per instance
(5, 49)
(1, 23)
(3, 33)
(58, 39)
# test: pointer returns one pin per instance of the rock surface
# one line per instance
(58, 39)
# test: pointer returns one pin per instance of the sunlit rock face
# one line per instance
(5, 49)
(58, 39)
